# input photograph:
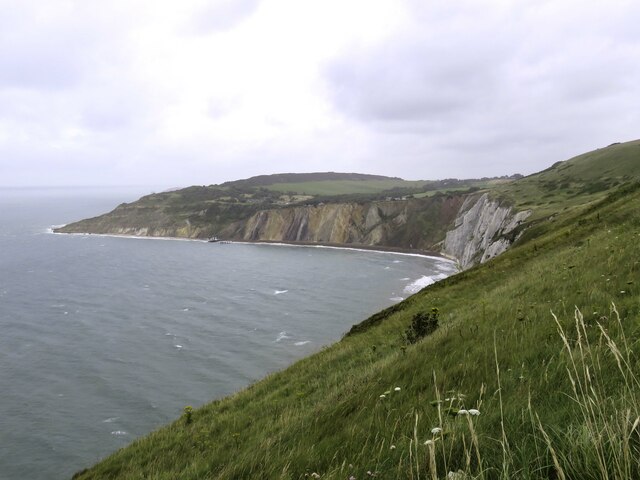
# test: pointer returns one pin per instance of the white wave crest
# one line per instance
(282, 336)
(279, 292)
(424, 281)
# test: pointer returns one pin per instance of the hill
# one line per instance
(330, 184)
(298, 178)
(327, 208)
(575, 182)
(541, 343)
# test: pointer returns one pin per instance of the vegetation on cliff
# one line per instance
(531, 373)
(224, 210)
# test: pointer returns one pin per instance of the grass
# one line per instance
(542, 341)
(329, 188)
(343, 187)
(576, 182)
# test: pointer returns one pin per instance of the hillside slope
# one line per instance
(541, 340)
(574, 182)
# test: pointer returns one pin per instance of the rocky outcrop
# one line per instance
(482, 230)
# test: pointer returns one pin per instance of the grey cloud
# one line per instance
(38, 55)
(220, 107)
(39, 63)
(222, 15)
(114, 106)
(106, 119)
(412, 78)
(466, 87)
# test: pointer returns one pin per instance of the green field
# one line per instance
(344, 187)
(351, 187)
(543, 341)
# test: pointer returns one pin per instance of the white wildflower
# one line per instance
(392, 447)
(429, 442)
(436, 430)
(397, 389)
(474, 412)
(383, 396)
(462, 411)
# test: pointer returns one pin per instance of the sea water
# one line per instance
(103, 339)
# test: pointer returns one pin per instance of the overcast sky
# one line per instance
(174, 93)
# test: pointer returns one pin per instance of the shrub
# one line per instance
(422, 324)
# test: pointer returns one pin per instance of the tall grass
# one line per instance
(602, 440)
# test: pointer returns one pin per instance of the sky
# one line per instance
(159, 92)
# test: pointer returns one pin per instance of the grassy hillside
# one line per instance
(575, 182)
(543, 341)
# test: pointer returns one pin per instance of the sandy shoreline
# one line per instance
(355, 246)
(339, 246)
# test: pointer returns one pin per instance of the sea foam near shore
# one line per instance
(424, 281)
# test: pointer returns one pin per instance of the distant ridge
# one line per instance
(264, 180)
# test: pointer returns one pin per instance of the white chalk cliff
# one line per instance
(482, 230)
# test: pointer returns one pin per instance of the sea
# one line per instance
(104, 339)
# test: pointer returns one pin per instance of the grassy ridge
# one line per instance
(542, 340)
(343, 187)
(399, 187)
(575, 182)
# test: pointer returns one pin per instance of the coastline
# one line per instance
(413, 252)
(339, 246)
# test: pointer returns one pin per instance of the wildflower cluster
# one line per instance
(388, 392)
(472, 411)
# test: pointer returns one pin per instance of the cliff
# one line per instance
(480, 229)
(483, 229)
(413, 223)
(467, 227)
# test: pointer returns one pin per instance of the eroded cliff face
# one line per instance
(482, 230)
(414, 223)
(333, 223)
